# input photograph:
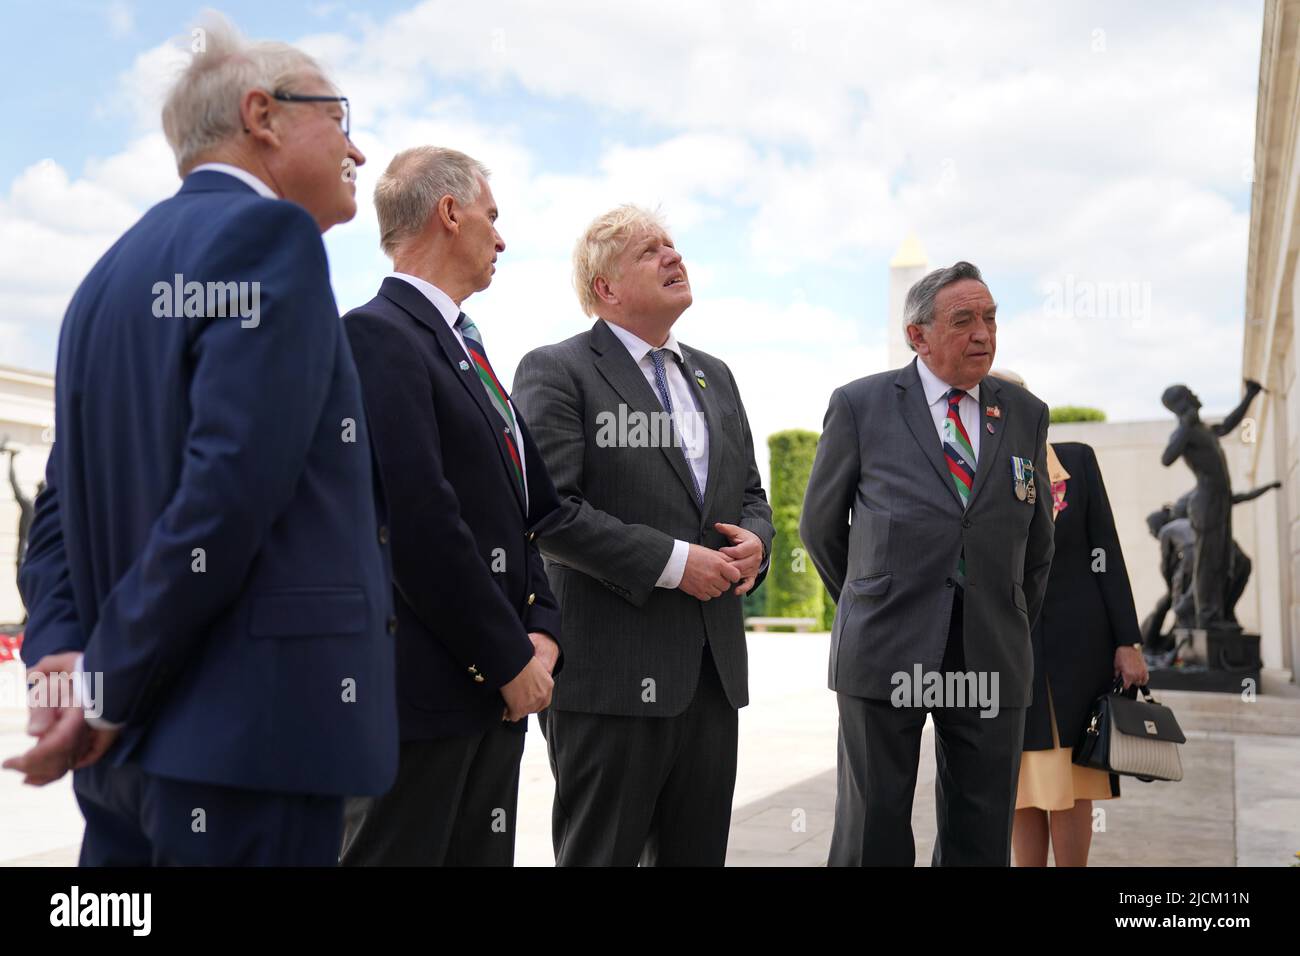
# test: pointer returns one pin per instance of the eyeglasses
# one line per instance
(345, 121)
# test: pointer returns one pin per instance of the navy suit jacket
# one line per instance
(469, 579)
(209, 534)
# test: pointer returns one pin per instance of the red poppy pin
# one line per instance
(993, 411)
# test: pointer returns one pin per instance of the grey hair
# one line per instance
(409, 190)
(919, 307)
(202, 107)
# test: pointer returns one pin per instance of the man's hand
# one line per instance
(708, 573)
(545, 649)
(745, 552)
(65, 741)
(529, 692)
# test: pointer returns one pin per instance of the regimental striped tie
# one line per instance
(960, 455)
(496, 394)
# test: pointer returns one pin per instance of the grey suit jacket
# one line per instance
(892, 568)
(630, 648)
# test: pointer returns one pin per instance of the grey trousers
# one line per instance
(453, 804)
(978, 770)
(653, 790)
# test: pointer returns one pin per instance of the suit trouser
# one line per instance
(654, 790)
(134, 818)
(453, 804)
(977, 772)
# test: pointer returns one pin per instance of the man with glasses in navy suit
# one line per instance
(208, 560)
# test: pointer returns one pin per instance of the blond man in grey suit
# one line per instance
(663, 526)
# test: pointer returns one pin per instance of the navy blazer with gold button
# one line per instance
(468, 578)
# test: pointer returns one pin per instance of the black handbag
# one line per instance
(1135, 738)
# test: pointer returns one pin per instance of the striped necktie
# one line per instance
(960, 455)
(666, 400)
(495, 393)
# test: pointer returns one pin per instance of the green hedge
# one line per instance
(793, 587)
(1076, 413)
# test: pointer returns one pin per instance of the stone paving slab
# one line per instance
(1190, 823)
(1239, 803)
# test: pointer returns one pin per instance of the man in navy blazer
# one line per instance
(209, 538)
(465, 485)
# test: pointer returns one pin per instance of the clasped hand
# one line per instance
(64, 741)
(711, 573)
(529, 692)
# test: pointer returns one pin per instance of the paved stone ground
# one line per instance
(1238, 804)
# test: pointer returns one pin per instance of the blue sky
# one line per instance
(791, 146)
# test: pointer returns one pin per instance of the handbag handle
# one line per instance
(1131, 691)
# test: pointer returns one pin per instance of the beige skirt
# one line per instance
(1050, 781)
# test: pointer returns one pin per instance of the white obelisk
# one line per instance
(908, 265)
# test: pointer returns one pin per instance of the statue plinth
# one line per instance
(1220, 658)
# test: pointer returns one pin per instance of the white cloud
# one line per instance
(141, 174)
(139, 91)
(1119, 365)
(822, 134)
(53, 228)
(17, 345)
(44, 194)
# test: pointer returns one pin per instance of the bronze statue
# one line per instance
(1171, 527)
(1176, 544)
(1209, 508)
(26, 505)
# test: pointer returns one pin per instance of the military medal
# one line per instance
(1022, 470)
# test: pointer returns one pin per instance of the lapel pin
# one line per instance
(989, 426)
(993, 411)
(699, 377)
(464, 366)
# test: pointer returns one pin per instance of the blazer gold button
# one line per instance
(532, 598)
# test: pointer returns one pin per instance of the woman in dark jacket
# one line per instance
(1086, 635)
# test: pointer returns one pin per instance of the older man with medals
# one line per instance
(939, 574)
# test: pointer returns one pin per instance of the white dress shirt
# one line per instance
(968, 409)
(243, 175)
(450, 312)
(688, 423)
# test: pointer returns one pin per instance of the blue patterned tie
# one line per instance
(666, 399)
